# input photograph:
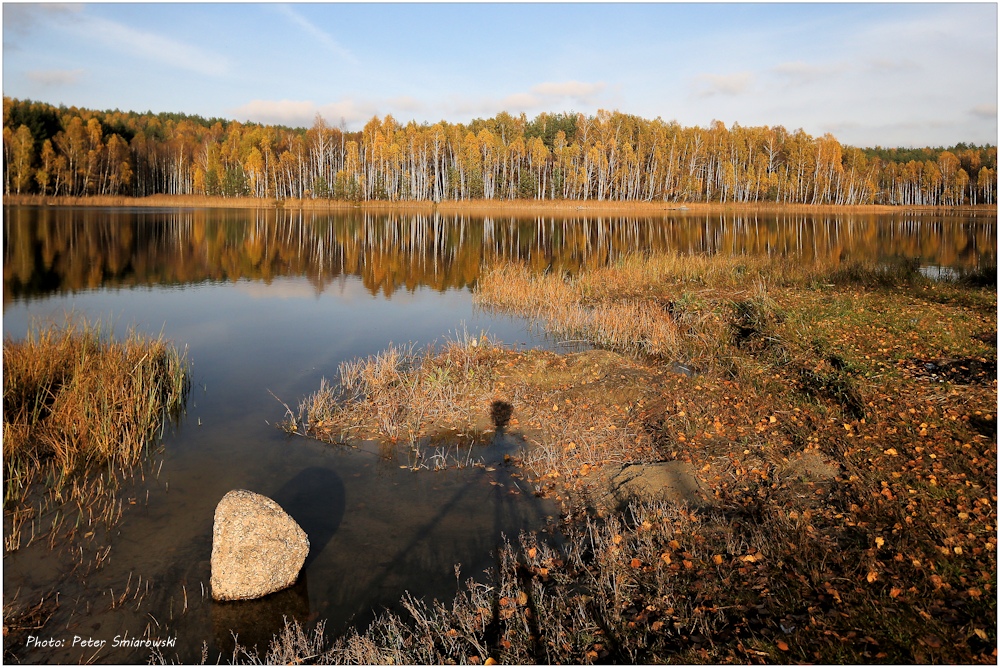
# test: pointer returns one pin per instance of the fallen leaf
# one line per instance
(782, 645)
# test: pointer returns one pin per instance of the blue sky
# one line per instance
(886, 74)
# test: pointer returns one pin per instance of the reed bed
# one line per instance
(81, 409)
(672, 307)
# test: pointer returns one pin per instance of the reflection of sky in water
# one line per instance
(249, 339)
(397, 531)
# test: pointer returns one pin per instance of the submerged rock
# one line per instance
(257, 548)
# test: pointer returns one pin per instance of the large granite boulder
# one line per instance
(257, 548)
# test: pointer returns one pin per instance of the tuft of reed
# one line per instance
(401, 394)
(79, 408)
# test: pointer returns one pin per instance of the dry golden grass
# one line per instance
(400, 394)
(77, 402)
(484, 207)
(674, 307)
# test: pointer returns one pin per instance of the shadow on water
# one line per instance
(503, 506)
(315, 498)
(254, 623)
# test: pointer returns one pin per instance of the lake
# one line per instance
(269, 302)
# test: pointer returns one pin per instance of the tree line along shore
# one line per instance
(607, 158)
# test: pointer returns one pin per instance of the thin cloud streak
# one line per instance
(152, 46)
(321, 36)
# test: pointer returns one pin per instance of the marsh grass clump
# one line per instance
(400, 394)
(80, 408)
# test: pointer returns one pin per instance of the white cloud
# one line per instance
(540, 97)
(151, 46)
(800, 73)
(302, 113)
(708, 85)
(578, 89)
(351, 112)
(892, 65)
(321, 36)
(23, 17)
(406, 103)
(277, 112)
(54, 77)
(987, 111)
(520, 101)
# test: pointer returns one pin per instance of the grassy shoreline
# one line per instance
(81, 413)
(839, 426)
(81, 410)
(485, 207)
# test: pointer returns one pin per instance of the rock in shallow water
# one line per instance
(257, 548)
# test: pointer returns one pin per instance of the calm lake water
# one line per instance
(268, 303)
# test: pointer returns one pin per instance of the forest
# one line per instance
(610, 156)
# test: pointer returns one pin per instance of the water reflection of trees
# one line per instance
(66, 250)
